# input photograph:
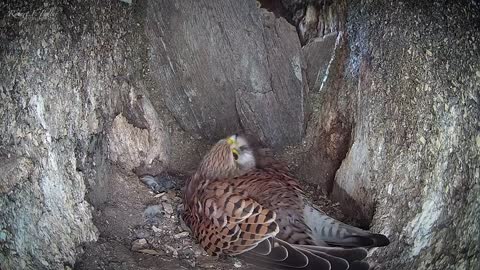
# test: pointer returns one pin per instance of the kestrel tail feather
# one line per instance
(288, 256)
(329, 231)
(350, 254)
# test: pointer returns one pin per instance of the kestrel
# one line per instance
(240, 201)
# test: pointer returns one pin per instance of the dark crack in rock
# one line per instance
(95, 93)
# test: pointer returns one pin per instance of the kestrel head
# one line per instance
(229, 157)
(242, 152)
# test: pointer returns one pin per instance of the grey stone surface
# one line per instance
(409, 90)
(94, 92)
(16, 170)
(318, 56)
(77, 81)
(131, 147)
(414, 157)
(329, 123)
(66, 71)
(225, 65)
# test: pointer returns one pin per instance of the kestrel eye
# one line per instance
(243, 148)
(235, 156)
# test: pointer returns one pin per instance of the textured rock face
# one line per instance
(386, 110)
(61, 84)
(415, 150)
(407, 93)
(328, 130)
(73, 105)
(225, 65)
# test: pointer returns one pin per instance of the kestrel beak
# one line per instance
(232, 140)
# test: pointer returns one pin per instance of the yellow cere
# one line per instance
(230, 140)
(235, 151)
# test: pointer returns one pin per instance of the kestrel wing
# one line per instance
(234, 223)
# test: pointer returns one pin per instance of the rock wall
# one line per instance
(222, 66)
(87, 90)
(68, 69)
(380, 107)
(403, 109)
(415, 149)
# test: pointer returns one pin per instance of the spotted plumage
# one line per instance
(240, 201)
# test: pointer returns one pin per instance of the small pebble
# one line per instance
(184, 226)
(139, 244)
(142, 233)
(237, 264)
(155, 229)
(3, 236)
(168, 208)
(181, 235)
(159, 195)
(173, 250)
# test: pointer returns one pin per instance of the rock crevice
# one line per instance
(376, 104)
